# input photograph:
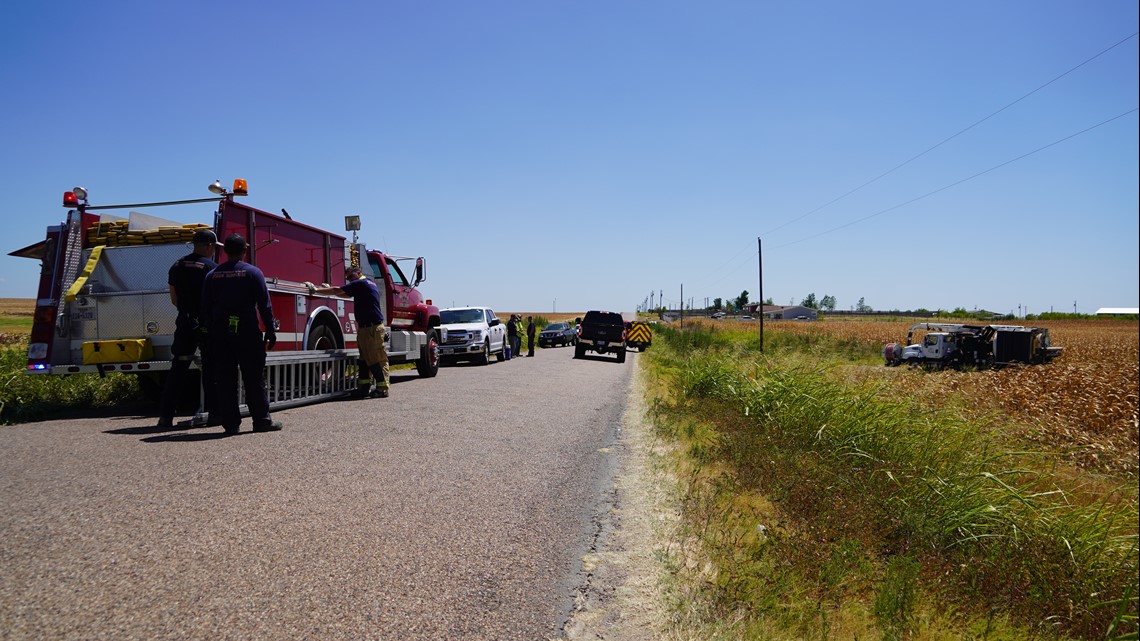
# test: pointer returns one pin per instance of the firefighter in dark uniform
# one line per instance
(370, 321)
(530, 335)
(185, 279)
(233, 296)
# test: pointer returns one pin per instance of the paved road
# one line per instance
(459, 508)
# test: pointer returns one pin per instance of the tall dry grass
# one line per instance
(934, 494)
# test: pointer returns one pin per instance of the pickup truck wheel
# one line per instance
(501, 355)
(485, 355)
(428, 363)
(579, 351)
(621, 356)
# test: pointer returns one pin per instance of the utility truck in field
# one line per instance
(103, 304)
(955, 345)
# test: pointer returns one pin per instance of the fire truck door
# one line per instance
(400, 286)
(377, 276)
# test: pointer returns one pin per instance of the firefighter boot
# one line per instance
(363, 380)
(380, 389)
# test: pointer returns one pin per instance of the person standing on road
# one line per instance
(530, 335)
(234, 295)
(370, 324)
(185, 278)
(513, 335)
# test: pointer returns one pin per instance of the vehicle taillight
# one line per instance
(39, 342)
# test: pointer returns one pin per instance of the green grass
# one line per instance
(15, 326)
(878, 517)
(25, 397)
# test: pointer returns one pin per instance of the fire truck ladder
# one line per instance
(300, 378)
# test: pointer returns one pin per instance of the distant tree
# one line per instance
(716, 303)
(810, 301)
(862, 306)
(827, 303)
(769, 301)
(742, 299)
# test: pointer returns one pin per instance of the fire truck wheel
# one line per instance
(428, 363)
(321, 337)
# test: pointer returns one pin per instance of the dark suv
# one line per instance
(557, 334)
(601, 332)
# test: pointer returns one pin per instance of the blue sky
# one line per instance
(564, 156)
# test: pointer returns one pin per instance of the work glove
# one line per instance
(311, 287)
(270, 339)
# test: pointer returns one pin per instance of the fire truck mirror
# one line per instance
(420, 274)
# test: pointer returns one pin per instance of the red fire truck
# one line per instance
(103, 303)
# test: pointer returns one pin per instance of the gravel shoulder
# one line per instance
(622, 597)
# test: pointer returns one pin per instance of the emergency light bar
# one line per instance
(240, 188)
(72, 198)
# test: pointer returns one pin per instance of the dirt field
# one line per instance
(17, 306)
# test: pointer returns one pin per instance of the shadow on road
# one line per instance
(191, 438)
(608, 358)
(153, 429)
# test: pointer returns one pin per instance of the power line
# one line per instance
(734, 258)
(943, 142)
(959, 182)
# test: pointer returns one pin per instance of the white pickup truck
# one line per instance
(473, 333)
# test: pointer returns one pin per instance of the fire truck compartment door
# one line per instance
(139, 268)
(116, 351)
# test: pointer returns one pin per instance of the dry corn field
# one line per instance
(10, 310)
(1083, 405)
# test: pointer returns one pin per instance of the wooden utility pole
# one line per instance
(760, 269)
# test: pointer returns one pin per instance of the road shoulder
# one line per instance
(621, 598)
